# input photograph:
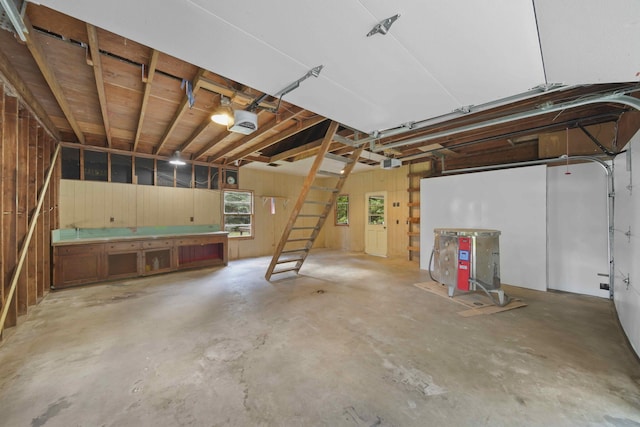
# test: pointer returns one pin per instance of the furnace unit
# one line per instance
(467, 259)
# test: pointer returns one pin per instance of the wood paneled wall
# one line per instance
(92, 204)
(351, 238)
(26, 150)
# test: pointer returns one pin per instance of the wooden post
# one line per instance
(32, 190)
(22, 216)
(9, 214)
(40, 221)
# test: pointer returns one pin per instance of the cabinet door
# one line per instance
(77, 265)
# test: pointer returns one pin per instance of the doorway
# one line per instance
(375, 233)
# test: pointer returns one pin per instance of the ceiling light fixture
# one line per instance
(176, 159)
(224, 113)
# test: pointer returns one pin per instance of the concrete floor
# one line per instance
(350, 342)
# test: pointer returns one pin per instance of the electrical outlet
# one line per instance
(191, 219)
(604, 286)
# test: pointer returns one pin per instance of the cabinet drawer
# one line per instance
(79, 249)
(123, 246)
(189, 241)
(164, 243)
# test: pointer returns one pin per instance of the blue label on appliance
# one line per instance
(464, 256)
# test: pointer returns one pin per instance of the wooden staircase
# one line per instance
(298, 237)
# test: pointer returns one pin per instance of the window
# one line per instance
(144, 171)
(95, 166)
(120, 168)
(183, 176)
(376, 210)
(201, 174)
(70, 163)
(238, 213)
(165, 173)
(342, 210)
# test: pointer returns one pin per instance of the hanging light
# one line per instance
(176, 159)
(223, 114)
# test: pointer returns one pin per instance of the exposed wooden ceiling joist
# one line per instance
(15, 81)
(305, 124)
(270, 127)
(97, 71)
(237, 97)
(153, 63)
(182, 108)
(49, 75)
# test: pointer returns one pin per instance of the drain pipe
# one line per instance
(608, 170)
(613, 97)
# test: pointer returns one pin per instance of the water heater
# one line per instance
(467, 259)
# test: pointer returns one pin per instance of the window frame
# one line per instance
(251, 234)
(335, 210)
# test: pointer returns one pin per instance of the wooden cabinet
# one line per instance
(78, 262)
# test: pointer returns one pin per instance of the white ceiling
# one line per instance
(438, 56)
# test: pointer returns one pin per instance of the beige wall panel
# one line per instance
(66, 200)
(79, 203)
(206, 206)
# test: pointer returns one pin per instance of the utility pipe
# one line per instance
(614, 97)
(27, 240)
(564, 158)
(463, 111)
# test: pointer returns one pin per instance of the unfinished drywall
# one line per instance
(511, 200)
(577, 228)
(627, 246)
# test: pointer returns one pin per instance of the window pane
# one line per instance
(238, 213)
(376, 210)
(201, 176)
(183, 176)
(165, 173)
(70, 163)
(120, 168)
(95, 166)
(215, 178)
(144, 171)
(342, 210)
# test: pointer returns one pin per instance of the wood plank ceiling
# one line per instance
(104, 91)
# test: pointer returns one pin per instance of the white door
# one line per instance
(375, 231)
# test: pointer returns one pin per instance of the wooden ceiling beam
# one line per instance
(98, 73)
(308, 147)
(153, 63)
(13, 79)
(267, 128)
(182, 108)
(195, 134)
(47, 72)
(305, 124)
(236, 96)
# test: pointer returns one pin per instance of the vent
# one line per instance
(273, 165)
(390, 163)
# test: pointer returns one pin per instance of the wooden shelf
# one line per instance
(413, 220)
(417, 174)
(413, 233)
(413, 189)
(413, 204)
(413, 248)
